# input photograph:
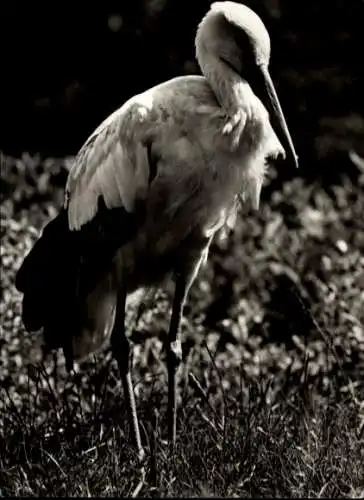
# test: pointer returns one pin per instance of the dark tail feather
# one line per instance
(38, 277)
(48, 280)
(64, 266)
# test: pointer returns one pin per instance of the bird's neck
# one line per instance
(230, 89)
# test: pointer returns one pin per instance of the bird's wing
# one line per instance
(114, 164)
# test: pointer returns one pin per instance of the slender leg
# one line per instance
(121, 351)
(174, 354)
(184, 281)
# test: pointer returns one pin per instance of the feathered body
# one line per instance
(151, 186)
(191, 193)
(198, 175)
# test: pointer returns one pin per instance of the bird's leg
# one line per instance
(174, 354)
(121, 351)
(184, 280)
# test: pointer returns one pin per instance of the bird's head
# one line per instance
(237, 36)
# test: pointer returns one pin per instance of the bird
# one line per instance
(148, 191)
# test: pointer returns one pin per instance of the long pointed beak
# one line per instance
(278, 117)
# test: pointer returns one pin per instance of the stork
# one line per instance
(149, 189)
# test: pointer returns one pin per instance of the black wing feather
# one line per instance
(64, 266)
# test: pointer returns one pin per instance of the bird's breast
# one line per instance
(199, 174)
(183, 212)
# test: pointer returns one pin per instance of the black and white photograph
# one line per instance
(182, 249)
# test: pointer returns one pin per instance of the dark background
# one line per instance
(65, 67)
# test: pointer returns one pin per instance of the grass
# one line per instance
(272, 378)
(282, 445)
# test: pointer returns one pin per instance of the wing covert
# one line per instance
(114, 163)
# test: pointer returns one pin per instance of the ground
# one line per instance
(272, 381)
